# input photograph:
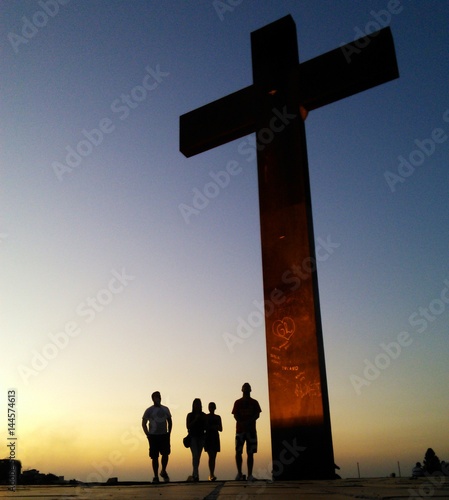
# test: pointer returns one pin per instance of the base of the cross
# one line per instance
(301, 454)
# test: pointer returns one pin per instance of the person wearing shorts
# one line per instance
(246, 411)
(157, 426)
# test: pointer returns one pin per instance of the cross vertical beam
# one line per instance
(299, 407)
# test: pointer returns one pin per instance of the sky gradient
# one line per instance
(111, 288)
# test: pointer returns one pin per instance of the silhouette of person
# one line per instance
(431, 462)
(417, 471)
(157, 426)
(196, 426)
(212, 440)
(246, 411)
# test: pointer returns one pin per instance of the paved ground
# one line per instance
(378, 489)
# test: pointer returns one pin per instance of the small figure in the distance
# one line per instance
(431, 462)
(417, 471)
(212, 441)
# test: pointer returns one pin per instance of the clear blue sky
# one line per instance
(109, 291)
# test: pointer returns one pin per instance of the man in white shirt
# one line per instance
(157, 425)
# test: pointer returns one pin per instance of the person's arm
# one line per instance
(144, 426)
(216, 426)
(192, 419)
(170, 424)
(257, 411)
(235, 412)
(203, 420)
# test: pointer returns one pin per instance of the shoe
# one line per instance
(212, 478)
(189, 479)
(196, 479)
(156, 480)
(239, 476)
(251, 478)
(164, 476)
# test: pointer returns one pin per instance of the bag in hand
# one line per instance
(187, 440)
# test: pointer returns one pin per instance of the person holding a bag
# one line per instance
(196, 427)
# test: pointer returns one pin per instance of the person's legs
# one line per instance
(238, 461)
(165, 452)
(164, 474)
(239, 441)
(155, 462)
(251, 448)
(250, 463)
(154, 455)
(164, 462)
(196, 453)
(200, 451)
(212, 457)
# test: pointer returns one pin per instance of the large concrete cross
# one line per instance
(275, 107)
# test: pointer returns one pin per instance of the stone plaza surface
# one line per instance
(381, 488)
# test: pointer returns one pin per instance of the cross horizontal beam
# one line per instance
(340, 73)
(348, 70)
(218, 122)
